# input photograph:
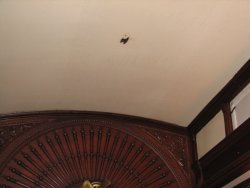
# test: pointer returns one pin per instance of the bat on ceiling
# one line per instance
(124, 40)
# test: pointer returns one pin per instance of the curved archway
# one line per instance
(64, 153)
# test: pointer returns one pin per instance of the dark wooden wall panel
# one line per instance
(62, 149)
(227, 160)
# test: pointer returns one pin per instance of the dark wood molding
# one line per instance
(232, 88)
(227, 160)
(196, 171)
(227, 118)
(74, 113)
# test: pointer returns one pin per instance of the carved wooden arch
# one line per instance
(63, 151)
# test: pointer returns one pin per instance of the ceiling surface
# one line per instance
(67, 55)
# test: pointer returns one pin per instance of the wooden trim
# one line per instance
(227, 118)
(227, 160)
(196, 176)
(244, 184)
(74, 113)
(233, 87)
(196, 171)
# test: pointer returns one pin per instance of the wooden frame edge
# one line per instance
(151, 123)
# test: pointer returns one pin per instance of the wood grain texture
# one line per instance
(62, 149)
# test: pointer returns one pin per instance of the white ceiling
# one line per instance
(66, 55)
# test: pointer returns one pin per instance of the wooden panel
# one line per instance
(64, 149)
(228, 160)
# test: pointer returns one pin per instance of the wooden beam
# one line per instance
(227, 118)
(232, 88)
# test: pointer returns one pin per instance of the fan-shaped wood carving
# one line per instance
(67, 153)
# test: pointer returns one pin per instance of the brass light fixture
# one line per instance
(96, 184)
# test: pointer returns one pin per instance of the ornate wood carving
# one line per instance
(173, 143)
(8, 134)
(67, 150)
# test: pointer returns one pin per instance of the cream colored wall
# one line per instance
(210, 135)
